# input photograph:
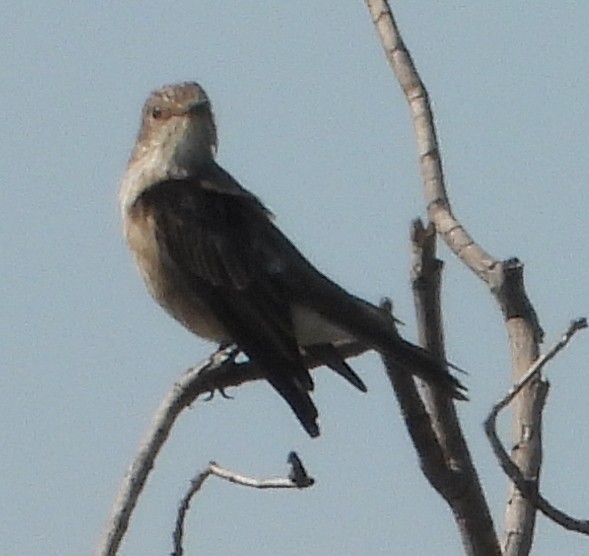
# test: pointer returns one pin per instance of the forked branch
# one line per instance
(504, 278)
(529, 487)
(297, 478)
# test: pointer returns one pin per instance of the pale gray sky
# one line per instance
(312, 121)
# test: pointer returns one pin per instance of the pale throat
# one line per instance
(173, 152)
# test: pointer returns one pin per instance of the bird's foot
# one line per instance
(221, 391)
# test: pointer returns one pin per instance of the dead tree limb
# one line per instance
(297, 478)
(530, 488)
(216, 373)
(431, 418)
(504, 278)
(462, 488)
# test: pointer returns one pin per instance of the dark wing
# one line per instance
(213, 231)
(362, 320)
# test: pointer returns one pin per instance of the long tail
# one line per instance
(300, 402)
(371, 326)
(421, 363)
(329, 355)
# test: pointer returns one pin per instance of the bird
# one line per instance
(212, 256)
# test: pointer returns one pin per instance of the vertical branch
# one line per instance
(530, 488)
(526, 433)
(467, 502)
(505, 279)
(524, 335)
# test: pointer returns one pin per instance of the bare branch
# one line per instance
(195, 486)
(170, 407)
(505, 279)
(524, 335)
(298, 478)
(529, 488)
(574, 327)
(242, 480)
(207, 379)
(417, 420)
(439, 210)
(460, 487)
(216, 373)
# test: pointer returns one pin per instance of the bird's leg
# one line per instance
(228, 352)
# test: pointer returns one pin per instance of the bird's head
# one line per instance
(180, 114)
(177, 136)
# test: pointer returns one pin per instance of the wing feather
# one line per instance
(212, 235)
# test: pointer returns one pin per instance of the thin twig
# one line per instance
(538, 365)
(529, 488)
(216, 373)
(236, 478)
(297, 478)
(195, 486)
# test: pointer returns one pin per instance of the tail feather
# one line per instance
(300, 402)
(421, 363)
(370, 325)
(328, 355)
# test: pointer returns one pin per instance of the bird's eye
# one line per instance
(156, 113)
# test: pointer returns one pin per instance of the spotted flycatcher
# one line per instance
(213, 258)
